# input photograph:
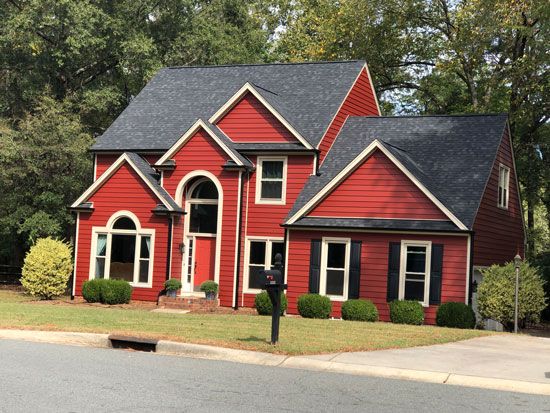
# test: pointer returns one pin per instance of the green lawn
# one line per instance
(297, 336)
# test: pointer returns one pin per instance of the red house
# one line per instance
(211, 171)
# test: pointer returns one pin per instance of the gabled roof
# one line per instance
(451, 156)
(145, 172)
(307, 95)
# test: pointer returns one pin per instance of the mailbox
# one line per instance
(274, 286)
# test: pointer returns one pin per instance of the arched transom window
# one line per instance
(123, 250)
(203, 205)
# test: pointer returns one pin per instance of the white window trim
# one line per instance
(506, 186)
(109, 231)
(403, 268)
(323, 275)
(269, 241)
(259, 165)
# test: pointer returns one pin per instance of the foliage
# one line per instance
(542, 263)
(47, 268)
(172, 284)
(359, 310)
(496, 294)
(107, 291)
(263, 303)
(455, 315)
(209, 287)
(314, 306)
(406, 312)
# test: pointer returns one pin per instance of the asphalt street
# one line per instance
(37, 377)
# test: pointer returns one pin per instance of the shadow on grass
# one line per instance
(254, 339)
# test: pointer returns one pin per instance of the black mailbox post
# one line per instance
(275, 286)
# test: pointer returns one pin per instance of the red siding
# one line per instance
(498, 232)
(250, 121)
(374, 267)
(377, 189)
(361, 101)
(202, 153)
(124, 191)
(104, 161)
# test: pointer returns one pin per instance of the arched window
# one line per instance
(203, 206)
(123, 250)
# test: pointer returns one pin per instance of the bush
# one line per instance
(172, 284)
(263, 303)
(107, 291)
(314, 306)
(496, 294)
(455, 315)
(542, 263)
(359, 310)
(47, 268)
(209, 287)
(406, 312)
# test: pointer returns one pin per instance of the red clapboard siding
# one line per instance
(361, 101)
(104, 161)
(265, 220)
(374, 267)
(377, 189)
(200, 152)
(124, 191)
(250, 121)
(499, 232)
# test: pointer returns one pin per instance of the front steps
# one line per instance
(189, 303)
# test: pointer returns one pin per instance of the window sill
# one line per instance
(274, 202)
(252, 291)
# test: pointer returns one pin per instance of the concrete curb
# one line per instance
(297, 362)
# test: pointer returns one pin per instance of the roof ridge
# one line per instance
(456, 115)
(320, 62)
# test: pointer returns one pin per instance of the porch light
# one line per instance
(181, 247)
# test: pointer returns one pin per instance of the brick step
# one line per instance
(188, 303)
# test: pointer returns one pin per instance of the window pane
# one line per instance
(101, 245)
(272, 169)
(276, 248)
(144, 271)
(335, 282)
(123, 250)
(100, 268)
(272, 190)
(124, 223)
(205, 190)
(254, 278)
(145, 247)
(204, 218)
(257, 252)
(414, 290)
(336, 257)
(416, 259)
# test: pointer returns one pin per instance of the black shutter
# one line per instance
(315, 266)
(394, 258)
(436, 271)
(354, 270)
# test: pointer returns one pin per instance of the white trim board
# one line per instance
(110, 172)
(350, 168)
(188, 135)
(249, 88)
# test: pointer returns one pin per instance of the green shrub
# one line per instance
(209, 287)
(314, 306)
(406, 312)
(263, 303)
(496, 294)
(172, 284)
(47, 268)
(359, 310)
(455, 315)
(107, 291)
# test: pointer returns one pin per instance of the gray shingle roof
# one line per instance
(367, 223)
(451, 156)
(307, 95)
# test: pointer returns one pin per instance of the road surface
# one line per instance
(54, 378)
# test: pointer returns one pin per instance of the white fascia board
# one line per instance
(247, 87)
(188, 135)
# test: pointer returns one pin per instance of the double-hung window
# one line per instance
(414, 275)
(503, 186)
(260, 256)
(335, 259)
(271, 180)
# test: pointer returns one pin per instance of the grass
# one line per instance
(297, 335)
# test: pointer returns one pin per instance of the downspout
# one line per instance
(239, 243)
(169, 249)
(285, 241)
(471, 270)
